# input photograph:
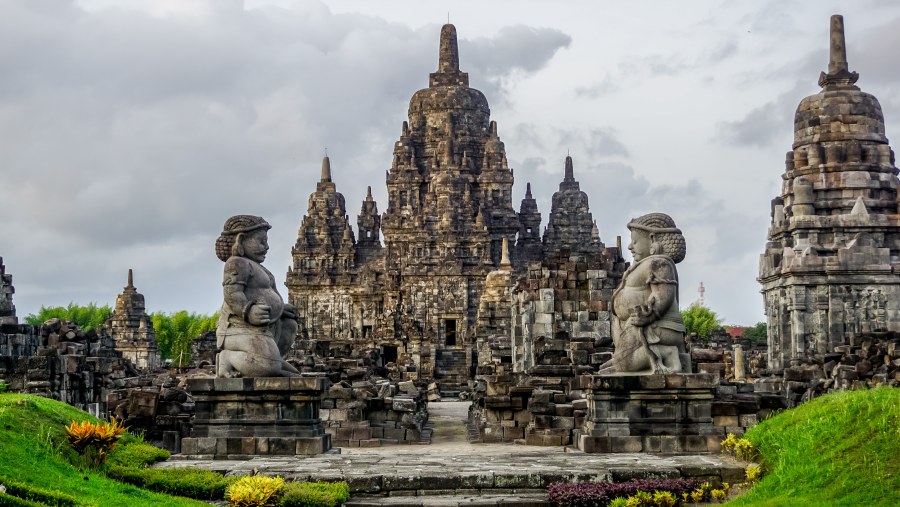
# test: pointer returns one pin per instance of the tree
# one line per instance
(759, 332)
(175, 331)
(700, 320)
(86, 317)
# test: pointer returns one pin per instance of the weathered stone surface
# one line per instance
(829, 271)
(265, 415)
(256, 329)
(641, 414)
(7, 308)
(437, 294)
(648, 332)
(131, 328)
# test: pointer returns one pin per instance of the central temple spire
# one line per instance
(839, 74)
(448, 73)
(448, 58)
(570, 170)
(326, 170)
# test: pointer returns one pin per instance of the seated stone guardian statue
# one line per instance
(256, 328)
(647, 329)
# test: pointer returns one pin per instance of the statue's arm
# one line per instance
(234, 285)
(663, 287)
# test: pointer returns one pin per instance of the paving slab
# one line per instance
(481, 468)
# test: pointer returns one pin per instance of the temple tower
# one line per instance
(324, 261)
(325, 248)
(829, 273)
(529, 247)
(449, 210)
(571, 225)
(369, 222)
(131, 328)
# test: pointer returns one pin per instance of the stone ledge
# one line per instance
(257, 384)
(248, 447)
(676, 381)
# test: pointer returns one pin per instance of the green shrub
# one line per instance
(3, 386)
(175, 331)
(86, 317)
(314, 494)
(137, 455)
(757, 333)
(254, 491)
(700, 320)
(740, 448)
(38, 495)
(188, 482)
(14, 501)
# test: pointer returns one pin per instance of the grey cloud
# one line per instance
(516, 51)
(723, 244)
(605, 86)
(763, 125)
(129, 138)
(722, 51)
(596, 143)
(877, 59)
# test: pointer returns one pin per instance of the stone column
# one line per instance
(739, 362)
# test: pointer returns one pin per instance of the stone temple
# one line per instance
(410, 283)
(829, 273)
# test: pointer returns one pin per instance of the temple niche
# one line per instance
(411, 286)
(829, 273)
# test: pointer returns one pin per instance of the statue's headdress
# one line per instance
(666, 239)
(238, 224)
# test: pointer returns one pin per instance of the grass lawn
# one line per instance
(35, 451)
(842, 449)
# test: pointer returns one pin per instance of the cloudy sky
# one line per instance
(130, 130)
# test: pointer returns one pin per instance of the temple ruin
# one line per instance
(829, 271)
(421, 298)
(131, 328)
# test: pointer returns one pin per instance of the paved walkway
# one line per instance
(451, 466)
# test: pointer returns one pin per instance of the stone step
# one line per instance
(463, 498)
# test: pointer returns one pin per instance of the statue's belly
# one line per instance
(627, 298)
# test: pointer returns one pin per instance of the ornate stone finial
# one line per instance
(130, 280)
(369, 194)
(528, 190)
(449, 50)
(595, 231)
(493, 127)
(838, 71)
(504, 254)
(570, 171)
(326, 170)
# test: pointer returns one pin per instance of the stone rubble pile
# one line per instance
(157, 406)
(61, 361)
(374, 412)
(874, 362)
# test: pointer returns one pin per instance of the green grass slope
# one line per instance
(34, 450)
(842, 449)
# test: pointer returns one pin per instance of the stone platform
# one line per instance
(243, 417)
(410, 475)
(666, 414)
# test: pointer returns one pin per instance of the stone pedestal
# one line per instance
(242, 417)
(666, 414)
